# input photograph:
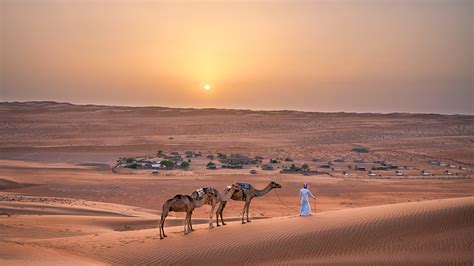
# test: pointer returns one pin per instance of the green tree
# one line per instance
(167, 163)
(130, 160)
(185, 165)
(349, 167)
(133, 166)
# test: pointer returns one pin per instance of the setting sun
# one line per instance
(207, 87)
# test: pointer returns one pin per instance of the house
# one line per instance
(232, 166)
(423, 172)
(253, 171)
(390, 166)
(189, 154)
(360, 149)
(292, 169)
(156, 166)
(434, 162)
(238, 159)
(274, 160)
(360, 168)
(325, 166)
(267, 167)
(259, 158)
(175, 158)
(339, 160)
(397, 173)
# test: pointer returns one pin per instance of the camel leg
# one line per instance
(248, 208)
(164, 213)
(213, 206)
(190, 221)
(186, 224)
(220, 210)
(243, 212)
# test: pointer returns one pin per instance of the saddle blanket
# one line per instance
(200, 192)
(245, 185)
(203, 191)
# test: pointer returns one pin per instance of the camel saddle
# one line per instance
(200, 192)
(245, 185)
(203, 191)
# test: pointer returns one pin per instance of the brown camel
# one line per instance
(179, 203)
(212, 196)
(247, 194)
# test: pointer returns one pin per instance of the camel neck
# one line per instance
(259, 193)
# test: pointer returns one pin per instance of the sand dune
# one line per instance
(432, 232)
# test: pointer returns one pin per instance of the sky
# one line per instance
(327, 56)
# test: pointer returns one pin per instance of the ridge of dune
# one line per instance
(430, 232)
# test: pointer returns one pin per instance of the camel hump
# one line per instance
(188, 197)
(209, 190)
(179, 196)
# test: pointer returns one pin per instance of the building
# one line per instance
(267, 167)
(232, 166)
(360, 149)
(238, 159)
(273, 160)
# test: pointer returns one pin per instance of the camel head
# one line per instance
(275, 185)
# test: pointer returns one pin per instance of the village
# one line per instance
(195, 162)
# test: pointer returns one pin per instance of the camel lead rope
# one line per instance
(283, 203)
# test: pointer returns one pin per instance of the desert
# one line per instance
(65, 199)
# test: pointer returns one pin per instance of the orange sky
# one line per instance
(364, 56)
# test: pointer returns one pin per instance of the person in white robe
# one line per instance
(305, 206)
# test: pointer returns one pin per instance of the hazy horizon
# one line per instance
(321, 56)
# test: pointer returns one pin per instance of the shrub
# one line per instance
(133, 166)
(211, 165)
(185, 165)
(130, 160)
(167, 163)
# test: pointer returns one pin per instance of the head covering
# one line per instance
(305, 185)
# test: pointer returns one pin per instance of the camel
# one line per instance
(179, 203)
(212, 196)
(247, 195)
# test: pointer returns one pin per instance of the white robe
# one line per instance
(305, 207)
